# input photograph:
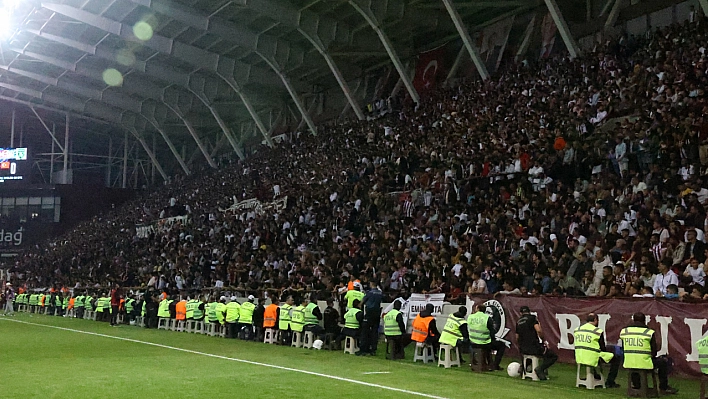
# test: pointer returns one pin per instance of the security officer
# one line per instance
(88, 303)
(640, 348)
(313, 315)
(455, 330)
(130, 308)
(483, 335)
(221, 313)
(702, 346)
(353, 294)
(79, 306)
(233, 311)
(590, 348)
(284, 322)
(371, 304)
(163, 309)
(199, 309)
(297, 321)
(529, 336)
(33, 302)
(270, 315)
(100, 307)
(352, 321)
(245, 319)
(425, 329)
(395, 331)
(258, 318)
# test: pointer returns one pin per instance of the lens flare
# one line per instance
(112, 77)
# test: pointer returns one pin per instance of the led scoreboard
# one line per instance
(14, 165)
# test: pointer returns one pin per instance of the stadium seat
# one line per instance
(179, 325)
(163, 323)
(351, 345)
(330, 342)
(448, 356)
(479, 359)
(269, 336)
(589, 381)
(423, 352)
(644, 390)
(308, 340)
(528, 368)
(210, 329)
(297, 339)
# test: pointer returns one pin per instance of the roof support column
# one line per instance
(147, 151)
(614, 14)
(371, 19)
(319, 46)
(466, 39)
(527, 39)
(229, 79)
(171, 146)
(125, 161)
(704, 6)
(455, 66)
(562, 26)
(293, 94)
(193, 132)
(65, 177)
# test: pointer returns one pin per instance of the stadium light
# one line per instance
(7, 12)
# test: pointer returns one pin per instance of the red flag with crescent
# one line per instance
(430, 70)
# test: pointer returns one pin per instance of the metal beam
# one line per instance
(606, 7)
(193, 132)
(372, 21)
(466, 39)
(51, 133)
(527, 39)
(147, 151)
(198, 58)
(319, 46)
(614, 14)
(158, 96)
(65, 179)
(149, 115)
(559, 20)
(480, 4)
(704, 6)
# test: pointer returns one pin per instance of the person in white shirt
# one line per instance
(696, 271)
(665, 278)
(479, 286)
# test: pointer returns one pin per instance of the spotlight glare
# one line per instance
(112, 77)
(143, 31)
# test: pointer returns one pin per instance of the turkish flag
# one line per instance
(430, 70)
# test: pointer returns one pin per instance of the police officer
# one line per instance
(455, 330)
(395, 331)
(245, 319)
(371, 304)
(233, 312)
(590, 348)
(352, 322)
(284, 321)
(640, 348)
(482, 334)
(313, 315)
(529, 337)
(702, 346)
(79, 306)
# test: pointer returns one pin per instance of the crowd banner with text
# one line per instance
(678, 325)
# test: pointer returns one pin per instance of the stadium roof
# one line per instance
(185, 68)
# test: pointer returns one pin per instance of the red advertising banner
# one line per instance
(678, 325)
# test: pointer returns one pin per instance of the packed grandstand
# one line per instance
(556, 177)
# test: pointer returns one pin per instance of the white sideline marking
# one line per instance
(333, 377)
(377, 372)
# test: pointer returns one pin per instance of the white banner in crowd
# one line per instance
(416, 303)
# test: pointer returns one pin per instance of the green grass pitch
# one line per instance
(37, 361)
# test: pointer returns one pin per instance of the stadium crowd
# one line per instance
(558, 177)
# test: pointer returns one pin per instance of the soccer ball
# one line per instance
(317, 344)
(514, 369)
